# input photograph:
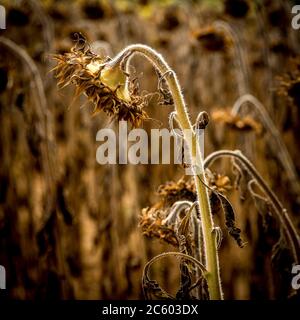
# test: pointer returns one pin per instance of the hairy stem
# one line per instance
(242, 72)
(280, 211)
(211, 254)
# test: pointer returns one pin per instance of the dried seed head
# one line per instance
(237, 8)
(156, 222)
(153, 219)
(246, 123)
(107, 86)
(171, 191)
(151, 223)
(220, 183)
(170, 19)
(212, 39)
(289, 83)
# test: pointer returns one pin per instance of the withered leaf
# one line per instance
(230, 220)
(241, 181)
(152, 291)
(215, 203)
(184, 235)
(185, 283)
(262, 205)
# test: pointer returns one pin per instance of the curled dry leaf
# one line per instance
(152, 291)
(241, 180)
(165, 94)
(228, 212)
(202, 120)
(230, 221)
(262, 204)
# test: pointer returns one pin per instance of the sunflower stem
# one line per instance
(207, 225)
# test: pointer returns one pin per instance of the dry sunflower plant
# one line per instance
(184, 217)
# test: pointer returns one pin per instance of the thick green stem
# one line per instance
(211, 254)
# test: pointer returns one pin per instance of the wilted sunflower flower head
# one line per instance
(107, 85)
(212, 39)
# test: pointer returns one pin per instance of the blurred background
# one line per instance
(69, 227)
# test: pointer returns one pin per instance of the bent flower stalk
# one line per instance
(107, 84)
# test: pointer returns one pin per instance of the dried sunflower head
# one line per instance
(151, 223)
(236, 8)
(153, 219)
(289, 83)
(171, 192)
(246, 123)
(107, 86)
(212, 39)
(218, 182)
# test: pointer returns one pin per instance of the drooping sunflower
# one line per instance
(153, 219)
(107, 86)
(246, 123)
(212, 39)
